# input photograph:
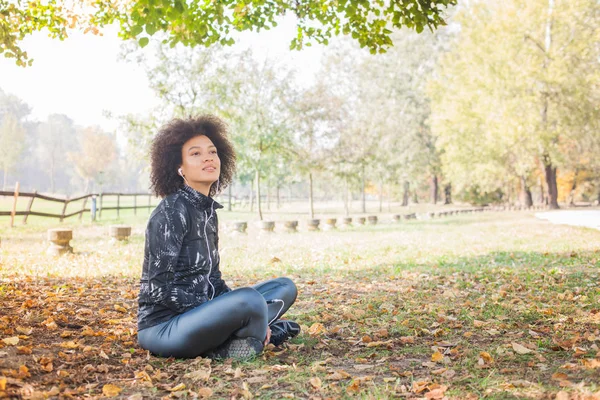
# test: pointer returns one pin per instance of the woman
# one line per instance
(185, 308)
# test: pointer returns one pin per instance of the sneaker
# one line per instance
(282, 330)
(238, 348)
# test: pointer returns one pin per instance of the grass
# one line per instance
(390, 297)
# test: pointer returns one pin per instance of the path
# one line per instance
(587, 218)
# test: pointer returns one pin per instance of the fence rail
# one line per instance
(96, 206)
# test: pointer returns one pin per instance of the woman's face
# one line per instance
(201, 165)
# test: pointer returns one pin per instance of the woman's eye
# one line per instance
(196, 153)
(213, 152)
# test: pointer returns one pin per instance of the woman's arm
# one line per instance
(164, 239)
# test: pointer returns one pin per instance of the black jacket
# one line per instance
(181, 257)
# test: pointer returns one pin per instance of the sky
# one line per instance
(83, 77)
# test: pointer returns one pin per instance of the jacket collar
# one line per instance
(197, 199)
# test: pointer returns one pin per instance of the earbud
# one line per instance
(180, 171)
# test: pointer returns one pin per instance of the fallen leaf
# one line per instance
(520, 349)
(407, 339)
(204, 392)
(24, 350)
(487, 358)
(120, 308)
(24, 331)
(559, 376)
(316, 329)
(354, 387)
(11, 341)
(437, 357)
(199, 374)
(110, 390)
(315, 382)
(177, 388)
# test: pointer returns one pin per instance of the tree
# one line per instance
(521, 78)
(96, 151)
(316, 113)
(56, 138)
(207, 23)
(12, 143)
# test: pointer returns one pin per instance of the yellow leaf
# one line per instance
(110, 390)
(478, 324)
(177, 388)
(24, 331)
(69, 345)
(520, 349)
(367, 339)
(437, 357)
(11, 341)
(487, 358)
(23, 350)
(205, 392)
(316, 329)
(120, 308)
(315, 382)
(2, 383)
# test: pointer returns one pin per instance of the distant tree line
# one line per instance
(500, 105)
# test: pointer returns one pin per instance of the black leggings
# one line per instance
(242, 313)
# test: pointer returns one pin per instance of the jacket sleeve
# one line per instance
(219, 284)
(164, 237)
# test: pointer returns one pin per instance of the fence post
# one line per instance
(64, 210)
(100, 213)
(134, 204)
(29, 208)
(93, 207)
(118, 205)
(14, 208)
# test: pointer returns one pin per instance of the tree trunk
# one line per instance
(541, 184)
(311, 209)
(229, 192)
(380, 196)
(526, 199)
(434, 189)
(364, 194)
(346, 194)
(269, 194)
(448, 194)
(260, 216)
(550, 173)
(389, 197)
(252, 185)
(573, 187)
(415, 197)
(405, 194)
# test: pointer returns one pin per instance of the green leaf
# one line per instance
(136, 30)
(143, 42)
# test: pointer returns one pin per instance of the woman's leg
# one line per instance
(280, 294)
(241, 313)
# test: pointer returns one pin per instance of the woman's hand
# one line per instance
(268, 336)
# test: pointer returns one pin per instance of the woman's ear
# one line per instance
(180, 172)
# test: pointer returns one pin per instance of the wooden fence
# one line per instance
(96, 204)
